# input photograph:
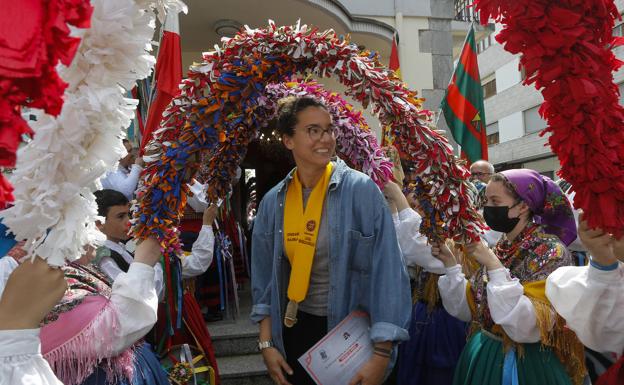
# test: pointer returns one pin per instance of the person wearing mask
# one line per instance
(516, 338)
(323, 246)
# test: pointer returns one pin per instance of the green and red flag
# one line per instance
(462, 104)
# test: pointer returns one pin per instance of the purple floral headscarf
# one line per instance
(549, 204)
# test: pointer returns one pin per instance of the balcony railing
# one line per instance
(465, 11)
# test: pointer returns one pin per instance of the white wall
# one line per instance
(508, 75)
(544, 165)
(416, 66)
(511, 127)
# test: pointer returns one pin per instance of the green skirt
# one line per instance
(481, 363)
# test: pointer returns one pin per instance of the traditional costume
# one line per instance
(93, 336)
(436, 338)
(517, 337)
(591, 300)
(21, 362)
(197, 240)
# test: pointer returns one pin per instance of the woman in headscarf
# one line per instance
(517, 337)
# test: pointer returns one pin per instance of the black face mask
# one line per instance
(497, 217)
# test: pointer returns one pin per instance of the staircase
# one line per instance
(235, 344)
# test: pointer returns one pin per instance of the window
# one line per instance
(533, 122)
(492, 139)
(484, 43)
(618, 30)
(492, 133)
(489, 89)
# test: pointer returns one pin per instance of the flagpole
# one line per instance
(139, 134)
(153, 77)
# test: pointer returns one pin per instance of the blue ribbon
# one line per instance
(510, 368)
(178, 279)
(220, 271)
(598, 266)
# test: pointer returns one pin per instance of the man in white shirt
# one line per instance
(126, 178)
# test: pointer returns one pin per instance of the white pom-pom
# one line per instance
(55, 210)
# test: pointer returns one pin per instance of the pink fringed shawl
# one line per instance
(78, 335)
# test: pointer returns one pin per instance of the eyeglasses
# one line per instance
(478, 174)
(316, 133)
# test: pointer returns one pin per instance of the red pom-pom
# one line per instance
(566, 54)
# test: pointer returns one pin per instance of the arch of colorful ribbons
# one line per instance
(355, 142)
(226, 99)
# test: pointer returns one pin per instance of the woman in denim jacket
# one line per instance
(356, 261)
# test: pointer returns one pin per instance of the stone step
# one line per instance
(236, 345)
(245, 369)
(231, 338)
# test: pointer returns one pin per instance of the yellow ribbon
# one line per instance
(301, 232)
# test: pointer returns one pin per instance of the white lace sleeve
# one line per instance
(21, 362)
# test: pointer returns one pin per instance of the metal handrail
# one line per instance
(464, 11)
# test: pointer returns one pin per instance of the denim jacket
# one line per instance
(366, 269)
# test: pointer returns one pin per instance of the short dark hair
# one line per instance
(288, 108)
(108, 198)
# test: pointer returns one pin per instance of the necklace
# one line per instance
(505, 250)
